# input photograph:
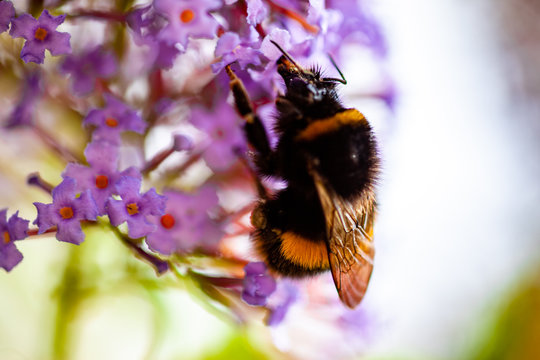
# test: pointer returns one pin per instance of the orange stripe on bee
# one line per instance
(300, 251)
(324, 126)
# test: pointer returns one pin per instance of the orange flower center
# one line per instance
(102, 181)
(7, 239)
(66, 212)
(167, 221)
(132, 209)
(40, 34)
(187, 16)
(111, 122)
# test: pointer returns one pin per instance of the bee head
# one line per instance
(304, 84)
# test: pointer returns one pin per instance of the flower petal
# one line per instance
(58, 43)
(116, 211)
(70, 231)
(23, 26)
(49, 21)
(9, 256)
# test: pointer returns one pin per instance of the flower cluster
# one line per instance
(169, 198)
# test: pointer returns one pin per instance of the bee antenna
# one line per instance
(286, 54)
(342, 80)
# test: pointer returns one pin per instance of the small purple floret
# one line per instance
(10, 231)
(134, 207)
(115, 118)
(66, 212)
(258, 285)
(88, 66)
(186, 19)
(40, 34)
(102, 174)
(225, 136)
(191, 227)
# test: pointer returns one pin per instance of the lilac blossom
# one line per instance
(358, 25)
(66, 212)
(258, 284)
(257, 11)
(114, 118)
(10, 231)
(224, 132)
(231, 48)
(40, 34)
(187, 223)
(87, 67)
(187, 19)
(134, 207)
(23, 112)
(102, 174)
(146, 24)
(288, 295)
(7, 12)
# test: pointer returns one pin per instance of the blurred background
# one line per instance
(457, 271)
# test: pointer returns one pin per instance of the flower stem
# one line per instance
(66, 154)
(102, 15)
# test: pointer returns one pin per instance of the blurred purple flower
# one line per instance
(231, 48)
(224, 133)
(7, 12)
(114, 118)
(288, 294)
(187, 19)
(186, 224)
(102, 174)
(257, 11)
(258, 285)
(87, 67)
(66, 212)
(40, 34)
(146, 24)
(182, 142)
(358, 25)
(134, 207)
(11, 230)
(23, 112)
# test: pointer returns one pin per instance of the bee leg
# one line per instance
(253, 127)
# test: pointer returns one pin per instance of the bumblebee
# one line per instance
(327, 155)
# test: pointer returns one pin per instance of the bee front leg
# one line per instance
(253, 128)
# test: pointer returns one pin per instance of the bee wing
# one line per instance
(349, 230)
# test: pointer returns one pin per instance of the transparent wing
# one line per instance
(349, 229)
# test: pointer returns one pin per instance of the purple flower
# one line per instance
(257, 11)
(258, 285)
(146, 24)
(187, 224)
(88, 66)
(113, 119)
(288, 294)
(134, 207)
(66, 212)
(358, 25)
(182, 142)
(231, 48)
(23, 112)
(187, 19)
(10, 231)
(40, 34)
(102, 174)
(224, 132)
(7, 12)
